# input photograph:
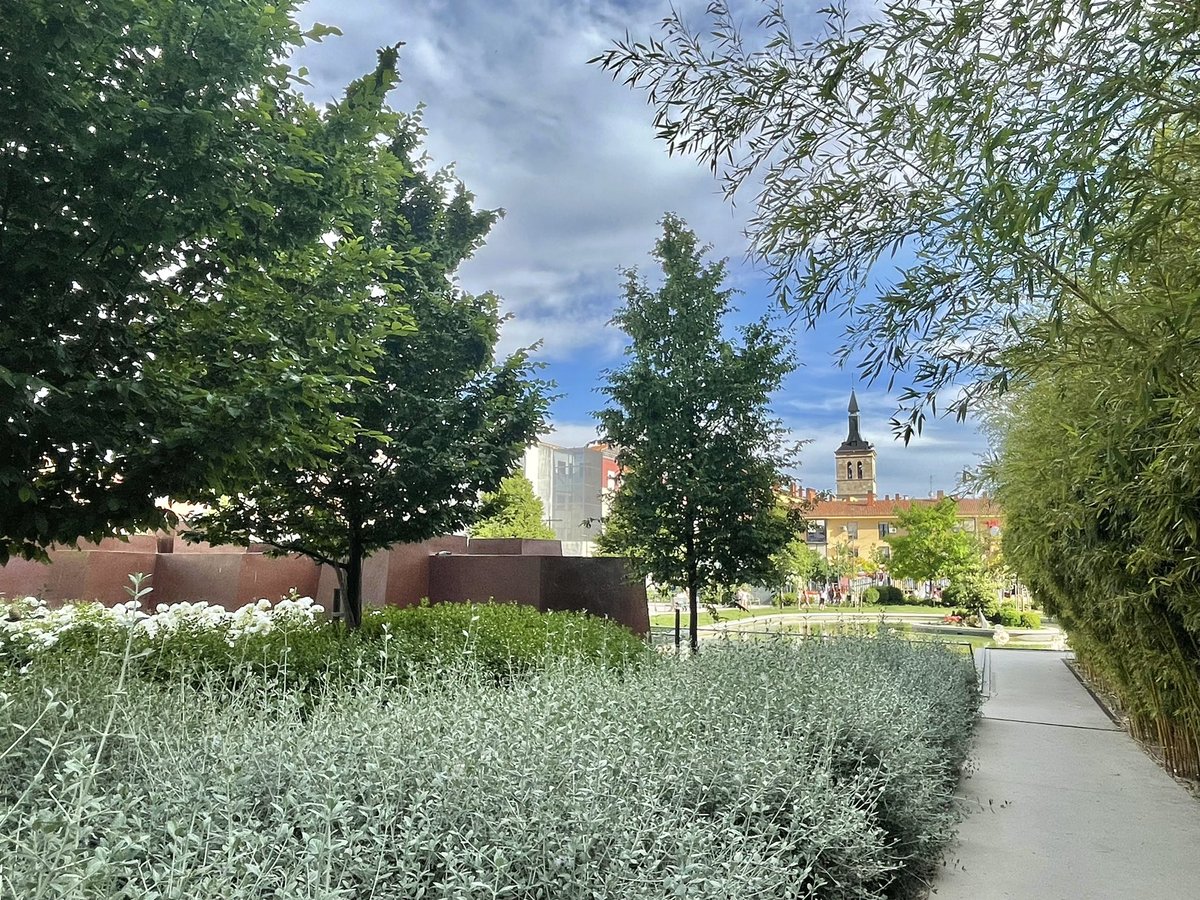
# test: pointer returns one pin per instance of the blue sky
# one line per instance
(571, 156)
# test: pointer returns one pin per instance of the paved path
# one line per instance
(1061, 804)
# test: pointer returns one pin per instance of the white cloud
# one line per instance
(571, 434)
(930, 462)
(570, 155)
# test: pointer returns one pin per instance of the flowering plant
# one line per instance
(29, 626)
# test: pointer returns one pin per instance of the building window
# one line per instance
(816, 531)
(852, 530)
(860, 470)
(883, 530)
(849, 470)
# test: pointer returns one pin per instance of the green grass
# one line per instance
(908, 608)
(733, 615)
(727, 615)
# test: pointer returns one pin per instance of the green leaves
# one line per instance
(938, 179)
(513, 511)
(1099, 477)
(700, 454)
(430, 419)
(175, 308)
(930, 545)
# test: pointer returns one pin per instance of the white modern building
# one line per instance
(573, 484)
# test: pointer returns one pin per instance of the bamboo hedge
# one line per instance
(1098, 472)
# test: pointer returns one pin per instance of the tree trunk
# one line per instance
(693, 587)
(693, 604)
(352, 602)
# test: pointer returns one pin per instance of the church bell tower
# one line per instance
(855, 461)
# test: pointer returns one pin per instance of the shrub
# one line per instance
(890, 595)
(972, 591)
(1030, 620)
(500, 639)
(289, 642)
(575, 782)
(1009, 616)
(871, 595)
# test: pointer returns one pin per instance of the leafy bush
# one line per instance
(500, 639)
(575, 782)
(1009, 616)
(973, 591)
(871, 595)
(1030, 620)
(890, 595)
(290, 643)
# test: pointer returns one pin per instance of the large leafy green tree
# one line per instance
(439, 421)
(842, 561)
(940, 175)
(795, 565)
(700, 452)
(183, 291)
(513, 511)
(930, 545)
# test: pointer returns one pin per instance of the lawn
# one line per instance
(729, 614)
(907, 608)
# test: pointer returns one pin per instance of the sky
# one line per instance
(570, 155)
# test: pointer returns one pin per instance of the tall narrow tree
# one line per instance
(439, 421)
(700, 451)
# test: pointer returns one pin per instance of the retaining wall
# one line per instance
(445, 569)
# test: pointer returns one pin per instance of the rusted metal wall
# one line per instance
(446, 569)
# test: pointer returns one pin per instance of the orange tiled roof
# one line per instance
(884, 507)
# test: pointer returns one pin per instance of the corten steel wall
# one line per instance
(513, 547)
(77, 574)
(531, 572)
(398, 576)
(224, 576)
(601, 586)
(231, 579)
(408, 568)
(479, 578)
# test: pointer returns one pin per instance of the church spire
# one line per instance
(855, 461)
(853, 437)
(854, 440)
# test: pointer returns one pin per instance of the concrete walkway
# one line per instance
(1060, 804)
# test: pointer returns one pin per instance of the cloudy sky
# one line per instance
(570, 156)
